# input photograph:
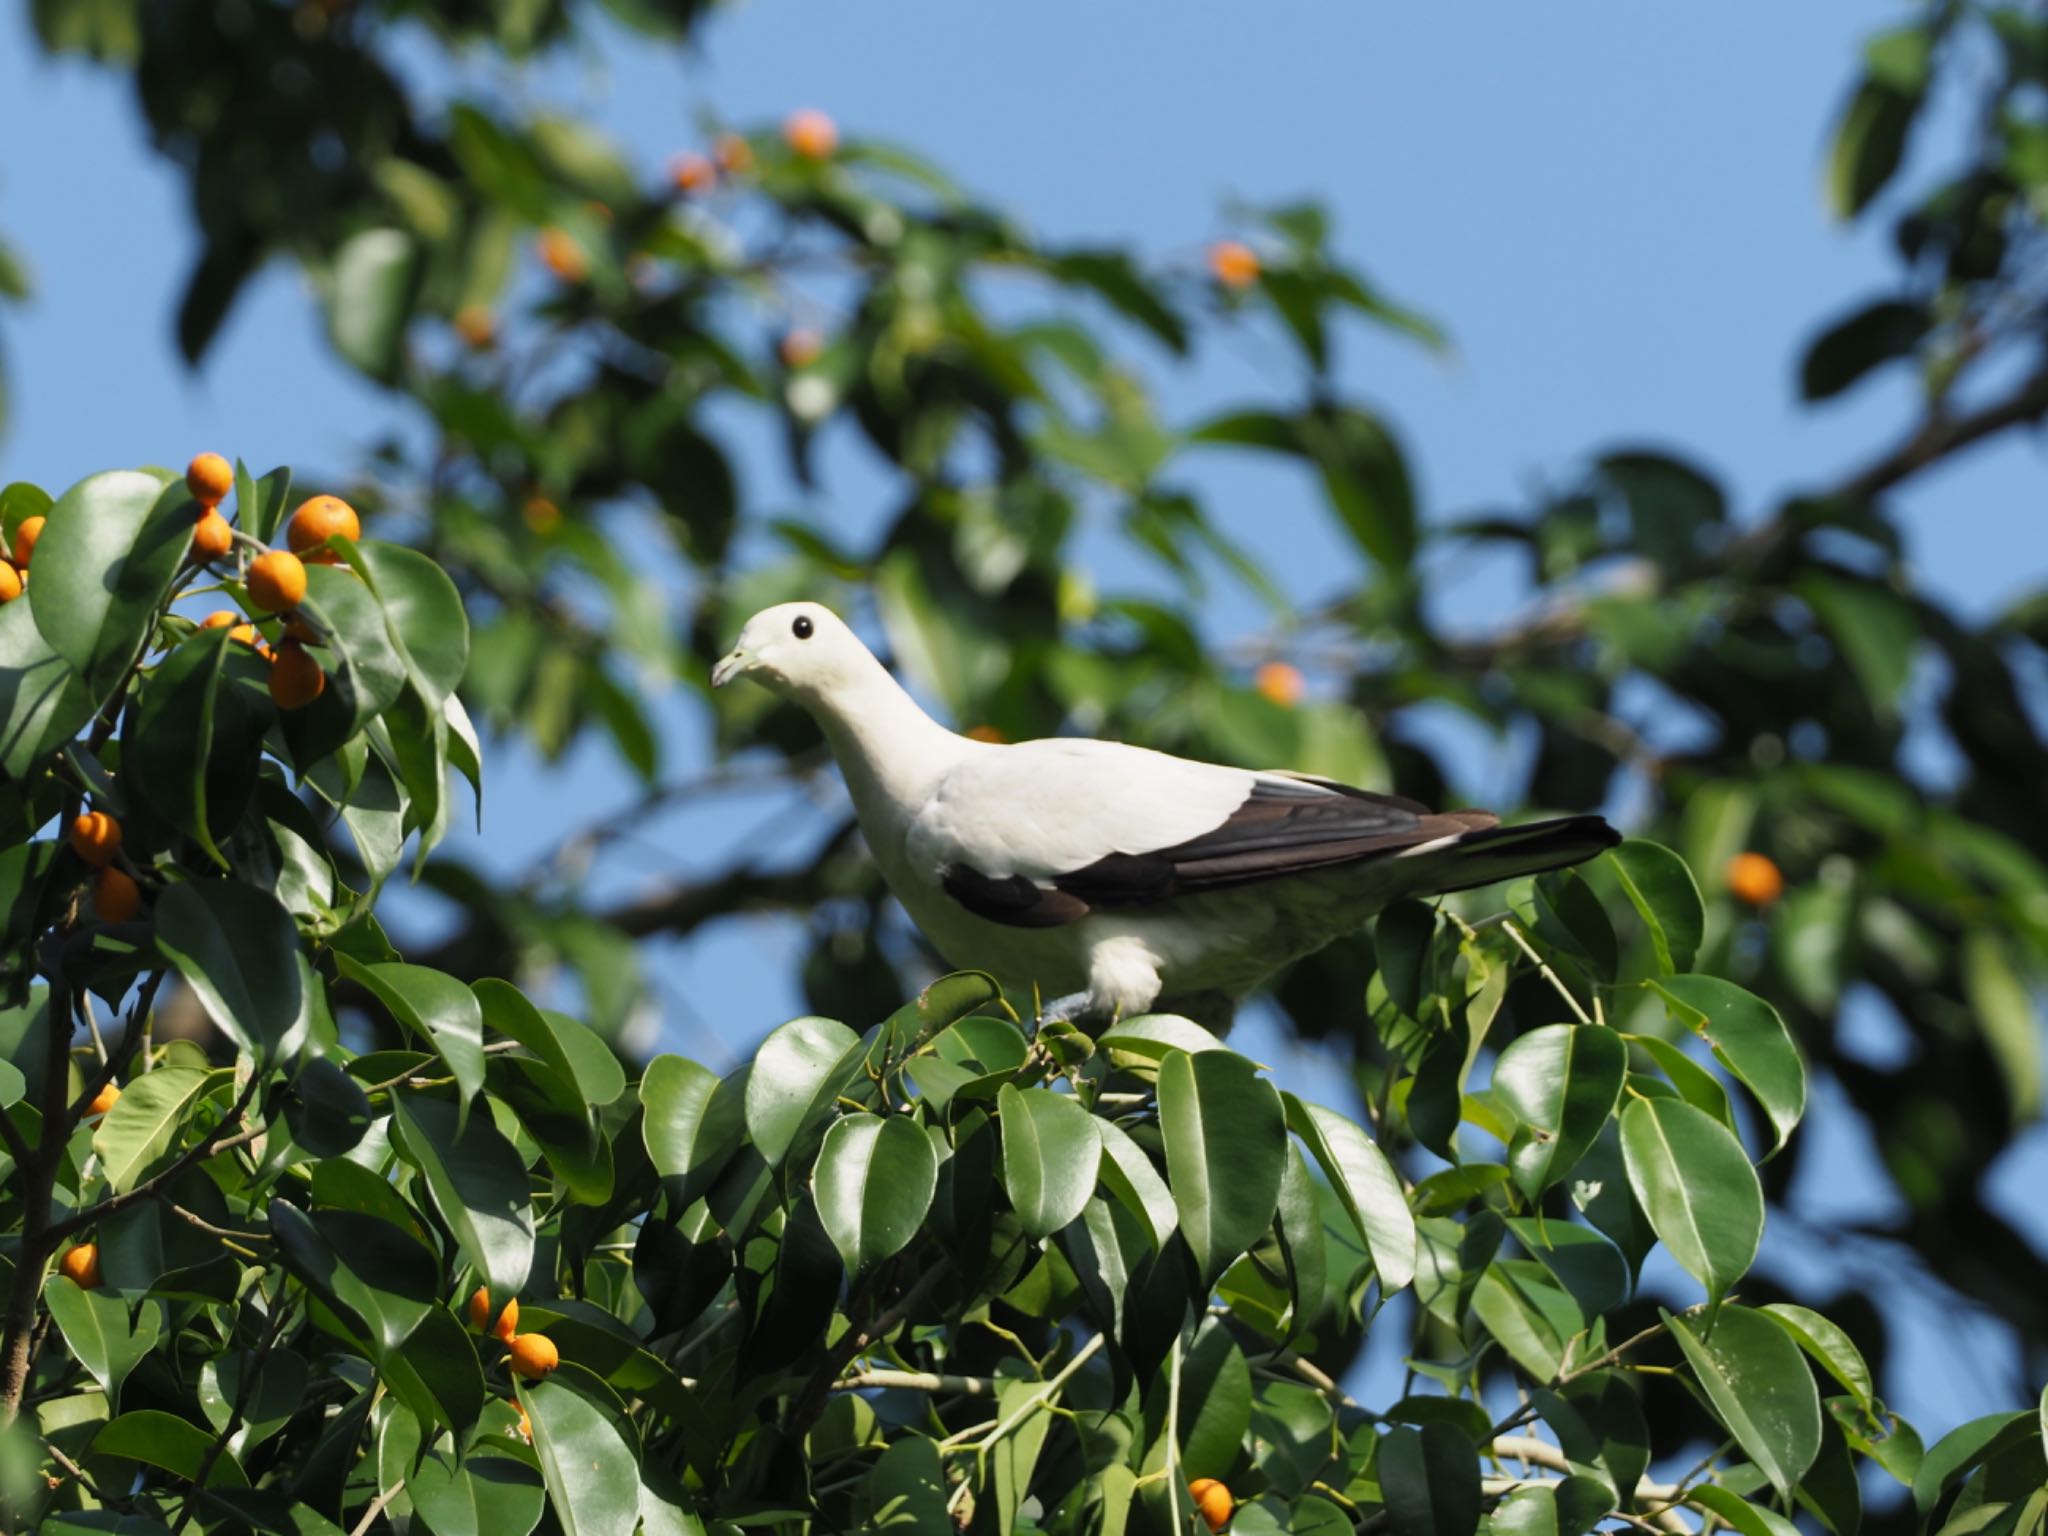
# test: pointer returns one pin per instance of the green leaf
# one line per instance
(164, 1440)
(1299, 1226)
(1129, 1174)
(1963, 1448)
(554, 1114)
(148, 1117)
(105, 561)
(1660, 886)
(273, 1395)
(1749, 1038)
(173, 738)
(365, 675)
(2005, 1017)
(478, 1182)
(1226, 1149)
(873, 1181)
(1561, 1082)
(1760, 1386)
(479, 1496)
(1366, 1185)
(793, 1071)
(1580, 1259)
(378, 1281)
(1876, 630)
(693, 1122)
(1832, 1349)
(103, 1338)
(1741, 1515)
(1695, 1184)
(434, 1006)
(1051, 1153)
(369, 295)
(593, 1476)
(1531, 1316)
(435, 1372)
(1153, 1035)
(905, 1492)
(1695, 1084)
(423, 615)
(1869, 144)
(1852, 346)
(1429, 1478)
(570, 1048)
(43, 702)
(238, 950)
(1215, 1402)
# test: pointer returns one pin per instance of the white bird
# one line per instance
(1113, 879)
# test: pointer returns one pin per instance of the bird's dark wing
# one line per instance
(1287, 825)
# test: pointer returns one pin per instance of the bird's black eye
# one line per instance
(801, 626)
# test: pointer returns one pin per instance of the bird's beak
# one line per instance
(728, 668)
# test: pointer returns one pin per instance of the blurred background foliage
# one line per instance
(580, 345)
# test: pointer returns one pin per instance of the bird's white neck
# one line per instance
(890, 751)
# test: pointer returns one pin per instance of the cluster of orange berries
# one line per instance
(1214, 1502)
(96, 838)
(533, 1355)
(275, 579)
(810, 133)
(14, 564)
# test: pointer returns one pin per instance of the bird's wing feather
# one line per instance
(1040, 834)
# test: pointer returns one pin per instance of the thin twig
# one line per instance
(1551, 976)
(213, 1142)
(362, 1526)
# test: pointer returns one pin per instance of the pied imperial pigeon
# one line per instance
(1112, 879)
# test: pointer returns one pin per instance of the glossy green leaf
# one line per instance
(423, 615)
(1760, 1386)
(592, 1474)
(161, 1439)
(1831, 1348)
(269, 1397)
(1965, 1448)
(693, 1122)
(1869, 143)
(1561, 1083)
(1695, 1084)
(1578, 1258)
(173, 739)
(378, 1281)
(1130, 1175)
(1366, 1185)
(905, 1491)
(238, 950)
(554, 1115)
(105, 561)
(1153, 1035)
(1660, 886)
(369, 293)
(436, 1008)
(1749, 1038)
(873, 1182)
(1867, 338)
(1303, 1246)
(1050, 1156)
(145, 1121)
(1215, 1401)
(435, 1372)
(481, 1496)
(478, 1183)
(794, 1069)
(1529, 1314)
(1226, 1149)
(1451, 1256)
(1429, 1478)
(101, 1334)
(1695, 1184)
(364, 674)
(2005, 1016)
(1742, 1516)
(43, 702)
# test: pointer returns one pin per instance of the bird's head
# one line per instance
(796, 650)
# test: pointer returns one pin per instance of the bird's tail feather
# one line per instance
(1492, 854)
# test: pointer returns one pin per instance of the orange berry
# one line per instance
(534, 1355)
(295, 678)
(209, 478)
(1214, 1501)
(228, 619)
(800, 348)
(11, 583)
(212, 538)
(115, 897)
(561, 255)
(986, 733)
(507, 1326)
(104, 1100)
(25, 538)
(1754, 879)
(81, 1265)
(693, 174)
(320, 519)
(476, 325)
(541, 515)
(1279, 682)
(734, 154)
(94, 837)
(811, 134)
(1233, 263)
(277, 581)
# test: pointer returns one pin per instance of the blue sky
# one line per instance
(1613, 209)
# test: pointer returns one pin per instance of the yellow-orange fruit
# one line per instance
(297, 628)
(800, 348)
(209, 478)
(212, 538)
(25, 538)
(295, 677)
(1213, 1500)
(734, 154)
(320, 519)
(10, 583)
(104, 1100)
(541, 515)
(1279, 682)
(277, 581)
(561, 255)
(1233, 263)
(94, 837)
(811, 134)
(476, 325)
(693, 174)
(228, 619)
(1753, 878)
(115, 897)
(534, 1355)
(82, 1266)
(507, 1326)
